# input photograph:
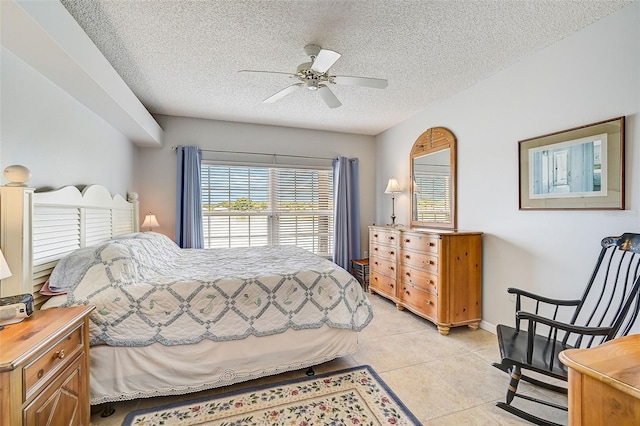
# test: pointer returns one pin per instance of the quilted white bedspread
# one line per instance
(146, 289)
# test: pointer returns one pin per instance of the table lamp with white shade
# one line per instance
(150, 221)
(393, 188)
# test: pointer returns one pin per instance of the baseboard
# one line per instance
(488, 326)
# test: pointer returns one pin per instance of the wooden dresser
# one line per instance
(44, 369)
(436, 274)
(604, 383)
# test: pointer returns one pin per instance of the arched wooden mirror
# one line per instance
(433, 179)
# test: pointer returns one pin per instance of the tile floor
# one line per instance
(443, 380)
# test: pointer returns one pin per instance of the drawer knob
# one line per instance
(391, 238)
(375, 249)
(40, 373)
(427, 302)
(392, 253)
(408, 274)
(407, 240)
(406, 256)
(375, 235)
(60, 354)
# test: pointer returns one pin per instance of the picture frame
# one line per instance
(576, 169)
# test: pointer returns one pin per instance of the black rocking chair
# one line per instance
(545, 327)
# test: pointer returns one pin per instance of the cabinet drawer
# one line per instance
(420, 242)
(383, 283)
(383, 236)
(419, 260)
(383, 266)
(37, 372)
(58, 401)
(421, 300)
(419, 278)
(382, 251)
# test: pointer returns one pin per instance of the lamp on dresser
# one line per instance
(393, 188)
(150, 221)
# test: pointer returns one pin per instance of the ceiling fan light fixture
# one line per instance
(314, 75)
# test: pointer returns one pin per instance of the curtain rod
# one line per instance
(174, 148)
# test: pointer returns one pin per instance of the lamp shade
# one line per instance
(5, 272)
(150, 221)
(392, 187)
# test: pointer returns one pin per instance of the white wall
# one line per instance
(57, 137)
(590, 76)
(156, 168)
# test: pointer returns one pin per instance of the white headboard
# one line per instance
(39, 228)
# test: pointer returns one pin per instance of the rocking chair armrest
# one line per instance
(591, 331)
(560, 302)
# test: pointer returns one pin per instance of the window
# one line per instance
(261, 206)
(434, 203)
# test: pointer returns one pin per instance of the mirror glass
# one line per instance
(433, 177)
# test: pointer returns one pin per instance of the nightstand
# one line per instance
(360, 270)
(44, 369)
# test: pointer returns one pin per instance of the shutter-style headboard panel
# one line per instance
(37, 229)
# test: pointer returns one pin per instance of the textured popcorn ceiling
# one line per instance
(182, 57)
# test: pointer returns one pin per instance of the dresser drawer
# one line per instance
(383, 236)
(422, 301)
(420, 242)
(419, 260)
(37, 372)
(382, 251)
(419, 278)
(383, 266)
(384, 284)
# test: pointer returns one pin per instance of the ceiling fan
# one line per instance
(314, 75)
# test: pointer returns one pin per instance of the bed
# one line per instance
(172, 321)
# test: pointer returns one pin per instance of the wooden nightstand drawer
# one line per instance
(66, 390)
(425, 243)
(50, 362)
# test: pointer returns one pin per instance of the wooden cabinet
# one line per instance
(44, 369)
(604, 383)
(436, 274)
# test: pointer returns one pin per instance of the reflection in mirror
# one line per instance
(432, 187)
(433, 173)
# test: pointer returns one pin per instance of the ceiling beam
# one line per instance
(45, 36)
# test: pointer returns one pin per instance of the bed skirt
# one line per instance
(125, 373)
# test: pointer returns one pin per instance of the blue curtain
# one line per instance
(346, 218)
(189, 232)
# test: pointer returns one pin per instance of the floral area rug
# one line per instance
(355, 396)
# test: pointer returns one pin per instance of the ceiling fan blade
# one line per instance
(376, 83)
(324, 60)
(329, 98)
(282, 93)
(268, 72)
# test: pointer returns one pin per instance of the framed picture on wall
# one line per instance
(575, 169)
